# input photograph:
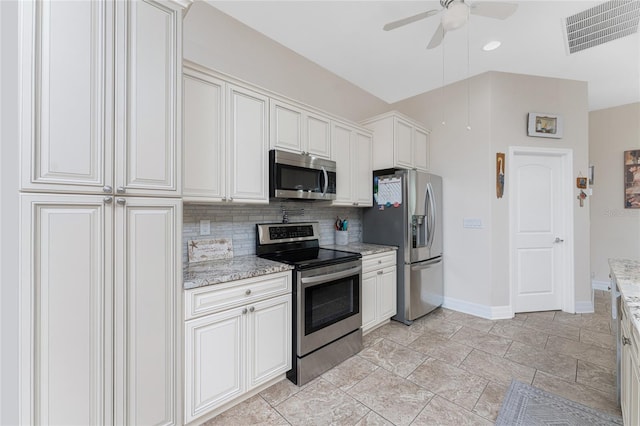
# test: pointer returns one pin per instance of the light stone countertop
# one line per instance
(362, 248)
(627, 274)
(224, 270)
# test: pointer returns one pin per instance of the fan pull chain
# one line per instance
(442, 86)
(468, 71)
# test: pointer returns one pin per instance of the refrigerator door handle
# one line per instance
(432, 215)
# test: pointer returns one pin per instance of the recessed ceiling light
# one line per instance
(492, 45)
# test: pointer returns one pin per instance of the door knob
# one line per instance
(558, 240)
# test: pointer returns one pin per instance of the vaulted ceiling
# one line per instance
(346, 37)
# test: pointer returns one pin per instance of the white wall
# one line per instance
(9, 215)
(219, 42)
(476, 260)
(615, 230)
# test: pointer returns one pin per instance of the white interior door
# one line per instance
(540, 219)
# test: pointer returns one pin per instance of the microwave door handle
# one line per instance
(326, 181)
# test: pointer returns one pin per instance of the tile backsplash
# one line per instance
(238, 222)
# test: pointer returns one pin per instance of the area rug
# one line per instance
(525, 405)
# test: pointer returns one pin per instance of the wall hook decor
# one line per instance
(499, 174)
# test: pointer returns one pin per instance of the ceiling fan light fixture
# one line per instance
(492, 45)
(455, 16)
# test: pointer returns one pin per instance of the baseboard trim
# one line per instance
(482, 311)
(600, 285)
(584, 307)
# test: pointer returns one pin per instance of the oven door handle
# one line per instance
(330, 277)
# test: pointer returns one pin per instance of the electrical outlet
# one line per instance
(205, 227)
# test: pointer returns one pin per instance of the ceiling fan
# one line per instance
(455, 14)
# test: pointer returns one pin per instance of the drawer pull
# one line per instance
(626, 340)
(379, 260)
(251, 309)
(248, 292)
(244, 311)
(380, 272)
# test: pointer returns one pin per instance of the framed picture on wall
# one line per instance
(632, 179)
(543, 125)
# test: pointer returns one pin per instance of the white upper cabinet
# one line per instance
(203, 150)
(398, 141)
(225, 145)
(352, 154)
(247, 136)
(299, 130)
(101, 117)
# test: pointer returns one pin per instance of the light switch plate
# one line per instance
(472, 222)
(205, 227)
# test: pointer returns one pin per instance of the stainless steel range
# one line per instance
(326, 296)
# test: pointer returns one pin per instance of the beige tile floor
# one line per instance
(449, 368)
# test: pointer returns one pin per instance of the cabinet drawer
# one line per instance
(207, 300)
(630, 331)
(379, 260)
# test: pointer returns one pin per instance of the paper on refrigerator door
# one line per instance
(389, 191)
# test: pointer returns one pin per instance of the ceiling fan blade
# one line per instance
(410, 19)
(437, 38)
(493, 9)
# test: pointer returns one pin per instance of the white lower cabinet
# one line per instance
(101, 310)
(378, 289)
(243, 342)
(629, 372)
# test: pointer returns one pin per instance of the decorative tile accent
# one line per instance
(238, 223)
(205, 250)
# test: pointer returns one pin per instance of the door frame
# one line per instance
(567, 296)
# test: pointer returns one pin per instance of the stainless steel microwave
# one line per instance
(301, 176)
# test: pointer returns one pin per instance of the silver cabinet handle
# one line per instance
(107, 189)
(626, 340)
(251, 309)
(244, 311)
(558, 240)
(379, 261)
(108, 200)
(121, 201)
(248, 292)
(121, 190)
(380, 272)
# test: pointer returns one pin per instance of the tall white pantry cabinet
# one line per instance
(101, 214)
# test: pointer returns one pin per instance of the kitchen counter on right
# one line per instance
(364, 249)
(627, 275)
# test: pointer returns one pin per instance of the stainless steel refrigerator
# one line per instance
(407, 213)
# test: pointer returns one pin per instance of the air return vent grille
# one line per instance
(603, 23)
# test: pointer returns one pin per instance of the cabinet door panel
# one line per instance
(147, 318)
(66, 309)
(387, 293)
(286, 127)
(341, 141)
(421, 150)
(362, 171)
(214, 359)
(67, 102)
(247, 138)
(203, 144)
(368, 300)
(318, 135)
(150, 94)
(404, 144)
(269, 339)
